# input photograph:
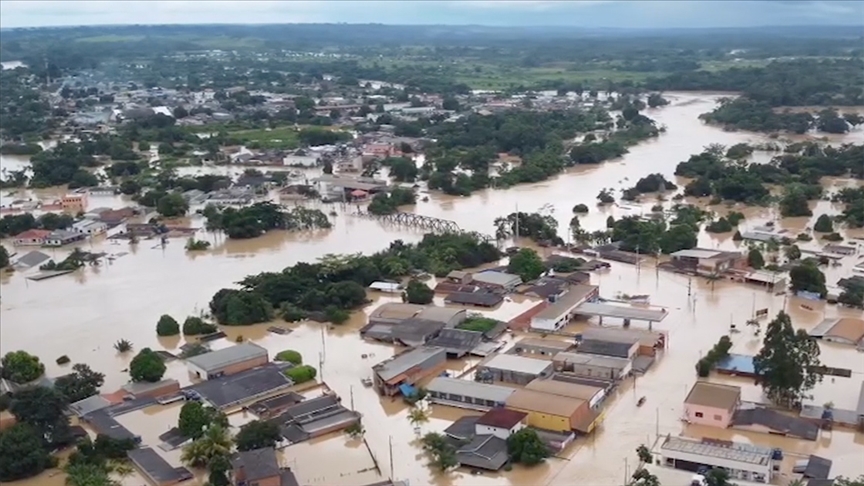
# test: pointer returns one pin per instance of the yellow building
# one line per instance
(550, 412)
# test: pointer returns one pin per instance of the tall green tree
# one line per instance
(172, 205)
(755, 259)
(22, 453)
(806, 276)
(83, 382)
(21, 367)
(526, 447)
(418, 292)
(788, 363)
(167, 326)
(824, 224)
(147, 366)
(527, 264)
(218, 468)
(44, 409)
(195, 418)
(257, 434)
(644, 478)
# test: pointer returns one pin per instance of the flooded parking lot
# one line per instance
(82, 315)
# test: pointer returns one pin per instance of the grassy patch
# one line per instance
(479, 324)
(276, 138)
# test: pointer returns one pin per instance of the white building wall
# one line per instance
(196, 371)
(550, 324)
(596, 399)
(499, 432)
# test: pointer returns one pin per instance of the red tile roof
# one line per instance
(32, 234)
(502, 418)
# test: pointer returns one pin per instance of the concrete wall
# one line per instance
(601, 372)
(711, 416)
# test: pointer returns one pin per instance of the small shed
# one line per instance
(387, 287)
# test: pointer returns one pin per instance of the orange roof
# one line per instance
(32, 234)
(848, 328)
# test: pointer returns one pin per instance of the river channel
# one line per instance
(83, 314)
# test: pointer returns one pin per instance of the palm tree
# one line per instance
(85, 474)
(214, 442)
(418, 416)
(644, 478)
(123, 346)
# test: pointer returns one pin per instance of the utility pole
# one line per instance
(323, 342)
(626, 467)
(657, 423)
(321, 366)
(689, 287)
(516, 238)
(351, 389)
(391, 458)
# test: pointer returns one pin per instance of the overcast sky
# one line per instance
(585, 13)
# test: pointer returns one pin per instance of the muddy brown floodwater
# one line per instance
(82, 315)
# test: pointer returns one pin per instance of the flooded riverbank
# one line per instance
(82, 315)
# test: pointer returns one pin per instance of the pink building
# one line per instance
(711, 404)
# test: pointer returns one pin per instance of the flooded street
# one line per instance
(83, 314)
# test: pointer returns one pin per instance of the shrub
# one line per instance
(418, 292)
(755, 259)
(734, 218)
(21, 367)
(580, 209)
(804, 237)
(194, 326)
(63, 360)
(123, 346)
(714, 356)
(290, 356)
(146, 366)
(167, 326)
(336, 315)
(824, 224)
(722, 225)
(832, 237)
(292, 313)
(301, 374)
